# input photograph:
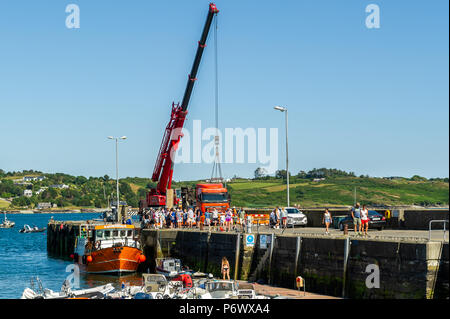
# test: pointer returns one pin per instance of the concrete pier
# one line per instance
(401, 218)
(334, 265)
(406, 269)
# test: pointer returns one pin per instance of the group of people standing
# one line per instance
(169, 218)
(190, 218)
(360, 219)
(278, 218)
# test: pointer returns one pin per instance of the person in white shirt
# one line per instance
(190, 217)
(215, 218)
(283, 217)
(364, 220)
(222, 220)
(161, 219)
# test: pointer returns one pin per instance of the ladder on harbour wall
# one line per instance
(430, 293)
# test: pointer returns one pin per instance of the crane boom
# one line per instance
(163, 170)
(201, 46)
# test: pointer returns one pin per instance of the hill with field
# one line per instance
(339, 191)
(316, 188)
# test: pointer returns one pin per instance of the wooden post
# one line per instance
(272, 242)
(238, 248)
(346, 254)
(60, 243)
(297, 254)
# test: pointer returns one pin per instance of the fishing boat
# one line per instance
(28, 229)
(109, 249)
(7, 223)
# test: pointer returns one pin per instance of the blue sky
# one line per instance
(372, 101)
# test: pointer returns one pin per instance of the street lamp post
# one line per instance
(117, 167)
(285, 110)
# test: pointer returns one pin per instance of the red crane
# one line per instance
(163, 170)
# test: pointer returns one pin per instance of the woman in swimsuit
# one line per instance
(225, 268)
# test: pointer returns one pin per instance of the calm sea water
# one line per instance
(23, 256)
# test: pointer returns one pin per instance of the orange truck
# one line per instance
(212, 196)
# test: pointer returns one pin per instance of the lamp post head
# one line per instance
(110, 137)
(123, 137)
(280, 108)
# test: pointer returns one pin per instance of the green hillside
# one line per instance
(334, 188)
(339, 191)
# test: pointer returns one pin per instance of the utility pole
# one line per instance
(285, 110)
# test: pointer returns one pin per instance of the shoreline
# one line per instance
(74, 211)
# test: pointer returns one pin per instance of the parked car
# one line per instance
(295, 217)
(376, 220)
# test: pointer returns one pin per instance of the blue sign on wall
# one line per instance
(250, 240)
(262, 241)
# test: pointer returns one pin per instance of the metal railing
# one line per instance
(444, 221)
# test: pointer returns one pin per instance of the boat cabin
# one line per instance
(220, 289)
(105, 236)
(168, 266)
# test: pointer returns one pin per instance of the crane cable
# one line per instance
(217, 170)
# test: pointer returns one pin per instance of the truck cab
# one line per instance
(212, 196)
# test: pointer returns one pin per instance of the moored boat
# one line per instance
(66, 292)
(28, 229)
(110, 249)
(7, 223)
(170, 267)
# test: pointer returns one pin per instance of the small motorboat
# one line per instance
(7, 223)
(170, 267)
(226, 289)
(155, 286)
(28, 229)
(218, 289)
(66, 292)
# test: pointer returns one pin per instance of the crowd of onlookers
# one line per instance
(231, 219)
(235, 219)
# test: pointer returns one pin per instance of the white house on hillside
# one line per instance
(28, 193)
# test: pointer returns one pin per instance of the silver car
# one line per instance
(295, 217)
